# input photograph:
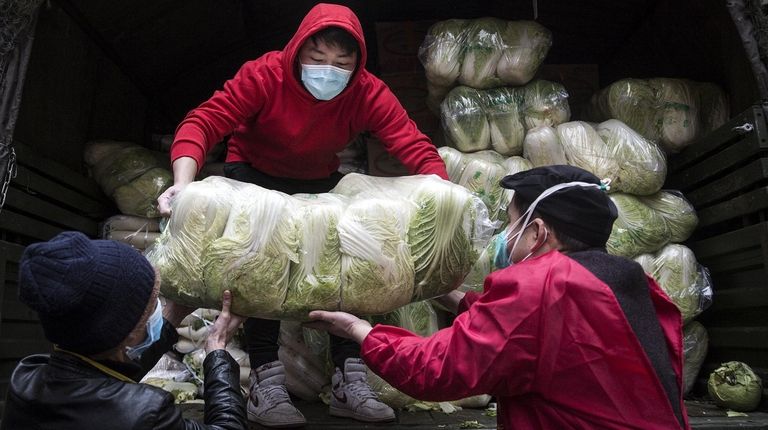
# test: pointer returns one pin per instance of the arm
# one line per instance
(389, 121)
(184, 171)
(491, 348)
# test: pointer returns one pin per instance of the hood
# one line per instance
(319, 17)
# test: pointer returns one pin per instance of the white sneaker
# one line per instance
(269, 403)
(352, 397)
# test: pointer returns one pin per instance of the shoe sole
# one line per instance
(279, 425)
(346, 413)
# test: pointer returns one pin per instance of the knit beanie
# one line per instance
(88, 294)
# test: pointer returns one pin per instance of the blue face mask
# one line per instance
(323, 80)
(154, 329)
(501, 254)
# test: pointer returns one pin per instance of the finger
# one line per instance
(226, 301)
(321, 316)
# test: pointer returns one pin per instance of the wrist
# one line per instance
(360, 331)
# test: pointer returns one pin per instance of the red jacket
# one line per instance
(281, 129)
(550, 341)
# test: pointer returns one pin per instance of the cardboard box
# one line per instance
(398, 45)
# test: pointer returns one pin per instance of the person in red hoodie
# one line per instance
(566, 337)
(288, 113)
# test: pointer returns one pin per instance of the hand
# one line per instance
(340, 324)
(174, 313)
(165, 199)
(224, 327)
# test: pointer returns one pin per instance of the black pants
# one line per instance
(261, 334)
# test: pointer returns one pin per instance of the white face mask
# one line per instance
(323, 80)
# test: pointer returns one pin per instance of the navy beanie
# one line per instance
(583, 213)
(88, 294)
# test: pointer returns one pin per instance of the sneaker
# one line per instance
(352, 397)
(268, 402)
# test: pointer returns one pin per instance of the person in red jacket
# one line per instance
(567, 336)
(288, 113)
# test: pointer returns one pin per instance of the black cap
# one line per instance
(583, 213)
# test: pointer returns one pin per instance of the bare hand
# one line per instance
(165, 199)
(340, 324)
(224, 327)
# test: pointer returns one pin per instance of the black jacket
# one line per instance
(61, 391)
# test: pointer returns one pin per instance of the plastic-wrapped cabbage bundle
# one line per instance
(122, 166)
(646, 261)
(677, 211)
(544, 103)
(482, 178)
(695, 345)
(448, 226)
(713, 106)
(198, 217)
(516, 164)
(686, 282)
(454, 162)
(542, 147)
(679, 112)
(633, 102)
(252, 256)
(97, 151)
(483, 266)
(584, 148)
(417, 317)
(526, 43)
(638, 228)
(464, 120)
(139, 197)
(446, 233)
(506, 126)
(642, 164)
(484, 46)
(375, 257)
(442, 51)
(315, 278)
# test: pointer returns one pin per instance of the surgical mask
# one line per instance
(526, 217)
(154, 329)
(323, 80)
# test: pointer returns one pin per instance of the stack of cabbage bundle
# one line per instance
(130, 174)
(609, 150)
(480, 173)
(368, 247)
(673, 112)
(498, 118)
(481, 53)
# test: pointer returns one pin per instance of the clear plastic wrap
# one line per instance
(385, 241)
(679, 105)
(631, 101)
(484, 52)
(686, 282)
(464, 119)
(695, 345)
(678, 212)
(584, 148)
(642, 164)
(139, 196)
(638, 228)
(542, 147)
(122, 166)
(544, 103)
(506, 125)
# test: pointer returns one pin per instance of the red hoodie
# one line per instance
(282, 130)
